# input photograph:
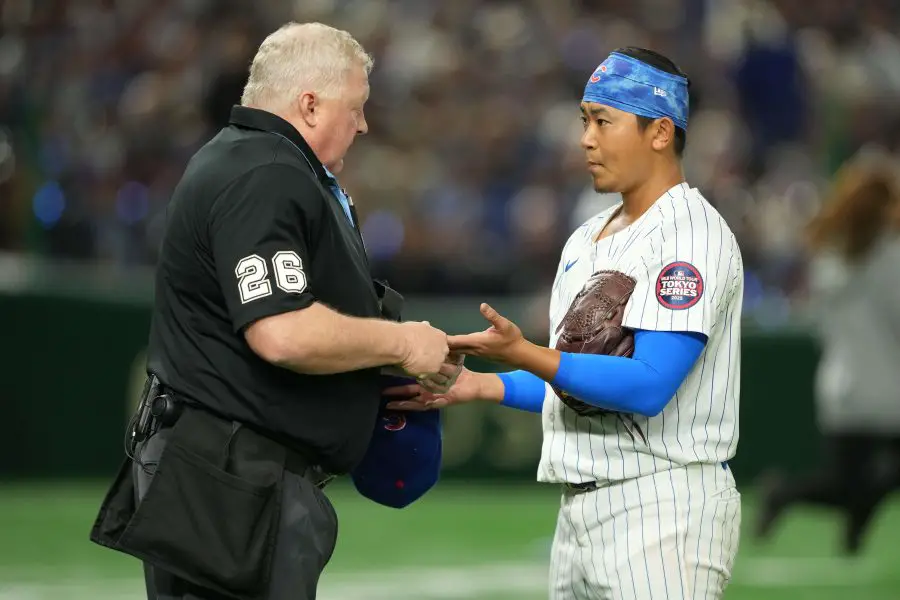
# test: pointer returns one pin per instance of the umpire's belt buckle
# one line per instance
(580, 488)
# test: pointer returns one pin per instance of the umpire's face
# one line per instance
(340, 120)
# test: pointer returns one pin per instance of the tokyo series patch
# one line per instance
(679, 286)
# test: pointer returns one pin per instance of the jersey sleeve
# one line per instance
(683, 279)
(260, 240)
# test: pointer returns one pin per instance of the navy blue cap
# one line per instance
(403, 460)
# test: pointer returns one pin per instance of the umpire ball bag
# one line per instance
(211, 513)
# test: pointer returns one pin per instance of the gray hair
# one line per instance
(302, 57)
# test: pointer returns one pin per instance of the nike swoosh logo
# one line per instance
(569, 265)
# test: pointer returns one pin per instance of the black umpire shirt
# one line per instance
(254, 229)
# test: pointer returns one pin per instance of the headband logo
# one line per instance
(659, 92)
(595, 77)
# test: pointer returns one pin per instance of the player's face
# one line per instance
(614, 147)
(341, 119)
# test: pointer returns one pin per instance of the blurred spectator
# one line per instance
(856, 291)
(471, 177)
(770, 87)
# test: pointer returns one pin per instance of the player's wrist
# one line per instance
(490, 388)
(518, 353)
(538, 360)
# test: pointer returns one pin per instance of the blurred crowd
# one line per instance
(471, 177)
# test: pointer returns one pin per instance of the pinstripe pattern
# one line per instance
(561, 556)
(646, 545)
(700, 424)
(665, 521)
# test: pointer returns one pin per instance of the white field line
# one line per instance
(477, 581)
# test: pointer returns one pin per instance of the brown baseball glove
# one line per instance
(593, 325)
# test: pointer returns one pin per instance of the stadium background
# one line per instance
(467, 185)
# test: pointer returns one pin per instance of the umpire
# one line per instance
(266, 345)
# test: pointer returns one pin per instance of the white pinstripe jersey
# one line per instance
(689, 276)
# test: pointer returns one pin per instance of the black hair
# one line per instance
(663, 63)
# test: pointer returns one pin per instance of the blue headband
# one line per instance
(634, 86)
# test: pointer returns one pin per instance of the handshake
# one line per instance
(427, 356)
(436, 359)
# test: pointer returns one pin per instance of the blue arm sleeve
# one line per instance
(523, 390)
(643, 384)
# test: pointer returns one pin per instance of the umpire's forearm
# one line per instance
(320, 341)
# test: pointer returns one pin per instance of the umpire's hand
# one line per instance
(425, 349)
(443, 380)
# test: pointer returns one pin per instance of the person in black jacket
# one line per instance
(268, 344)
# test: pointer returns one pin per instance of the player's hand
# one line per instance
(443, 380)
(424, 349)
(499, 342)
(469, 387)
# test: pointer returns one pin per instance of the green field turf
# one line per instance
(460, 542)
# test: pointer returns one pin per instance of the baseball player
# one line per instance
(640, 413)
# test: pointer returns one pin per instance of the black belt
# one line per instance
(580, 488)
(295, 462)
(163, 411)
(590, 486)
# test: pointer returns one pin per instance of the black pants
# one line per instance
(859, 472)
(306, 538)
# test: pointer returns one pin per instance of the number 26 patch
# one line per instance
(679, 286)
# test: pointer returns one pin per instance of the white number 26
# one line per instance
(253, 275)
